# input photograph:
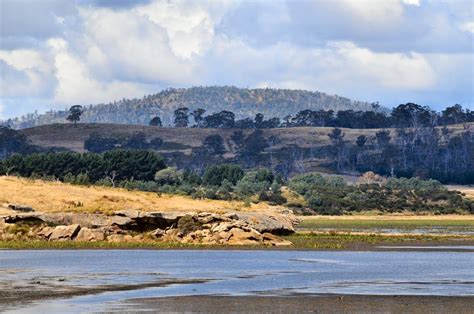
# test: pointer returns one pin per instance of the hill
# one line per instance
(242, 101)
(289, 151)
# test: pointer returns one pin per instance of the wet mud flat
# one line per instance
(12, 295)
(304, 304)
(82, 281)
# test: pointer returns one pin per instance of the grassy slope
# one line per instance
(60, 197)
(70, 137)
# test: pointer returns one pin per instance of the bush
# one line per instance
(215, 175)
(255, 182)
(306, 182)
(170, 175)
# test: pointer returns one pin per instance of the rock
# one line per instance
(62, 233)
(20, 208)
(137, 238)
(188, 224)
(158, 233)
(205, 218)
(115, 238)
(225, 226)
(127, 238)
(30, 219)
(242, 237)
(221, 237)
(278, 224)
(130, 213)
(274, 240)
(45, 232)
(89, 235)
(231, 216)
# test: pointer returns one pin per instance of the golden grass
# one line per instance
(68, 136)
(467, 190)
(61, 197)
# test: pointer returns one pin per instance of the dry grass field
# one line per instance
(61, 197)
(467, 190)
(72, 138)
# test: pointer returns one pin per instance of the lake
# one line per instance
(229, 272)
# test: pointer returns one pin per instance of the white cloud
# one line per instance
(27, 72)
(189, 24)
(335, 67)
(76, 86)
(467, 27)
(123, 45)
(412, 2)
(367, 49)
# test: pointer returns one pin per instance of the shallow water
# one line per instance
(233, 272)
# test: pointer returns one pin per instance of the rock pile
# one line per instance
(235, 228)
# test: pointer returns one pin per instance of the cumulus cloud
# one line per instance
(412, 2)
(468, 27)
(86, 51)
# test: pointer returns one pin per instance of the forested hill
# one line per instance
(242, 101)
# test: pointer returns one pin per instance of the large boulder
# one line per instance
(45, 232)
(244, 237)
(64, 233)
(90, 235)
(188, 224)
(148, 221)
(275, 223)
(273, 240)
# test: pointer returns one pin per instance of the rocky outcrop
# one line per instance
(88, 235)
(63, 233)
(20, 208)
(234, 228)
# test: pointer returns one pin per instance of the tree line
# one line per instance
(426, 152)
(404, 115)
(146, 171)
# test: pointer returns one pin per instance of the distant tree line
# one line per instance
(404, 115)
(98, 143)
(113, 166)
(425, 152)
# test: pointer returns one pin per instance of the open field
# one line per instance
(61, 197)
(467, 190)
(69, 137)
(386, 221)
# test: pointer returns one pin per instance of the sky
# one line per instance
(58, 53)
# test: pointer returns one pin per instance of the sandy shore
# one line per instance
(305, 304)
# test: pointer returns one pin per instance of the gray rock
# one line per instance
(62, 233)
(87, 235)
(278, 224)
(45, 232)
(20, 208)
(158, 233)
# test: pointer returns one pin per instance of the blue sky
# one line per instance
(56, 53)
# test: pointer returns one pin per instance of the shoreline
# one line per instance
(306, 303)
(313, 241)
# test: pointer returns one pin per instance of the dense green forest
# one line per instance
(309, 193)
(243, 102)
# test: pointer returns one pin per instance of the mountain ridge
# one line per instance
(244, 102)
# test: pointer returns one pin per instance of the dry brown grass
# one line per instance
(61, 197)
(70, 137)
(467, 190)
